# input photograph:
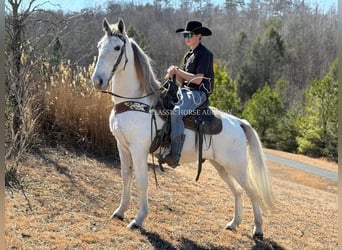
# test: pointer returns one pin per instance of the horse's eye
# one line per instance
(117, 48)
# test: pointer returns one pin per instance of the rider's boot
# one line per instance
(172, 159)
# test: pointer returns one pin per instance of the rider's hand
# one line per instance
(171, 71)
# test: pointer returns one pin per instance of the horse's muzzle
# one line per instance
(99, 83)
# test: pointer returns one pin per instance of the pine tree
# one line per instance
(224, 96)
(285, 133)
(264, 62)
(318, 125)
(264, 111)
(137, 36)
(57, 53)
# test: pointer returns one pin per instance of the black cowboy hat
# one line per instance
(196, 28)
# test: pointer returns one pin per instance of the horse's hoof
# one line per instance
(258, 236)
(233, 229)
(133, 226)
(116, 216)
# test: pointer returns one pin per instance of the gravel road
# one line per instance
(302, 166)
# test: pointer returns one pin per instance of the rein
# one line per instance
(126, 97)
(134, 98)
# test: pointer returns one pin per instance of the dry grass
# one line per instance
(77, 113)
(71, 198)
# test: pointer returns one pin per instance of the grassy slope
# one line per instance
(70, 199)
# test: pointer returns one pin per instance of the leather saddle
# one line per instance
(208, 117)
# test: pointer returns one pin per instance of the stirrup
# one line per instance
(169, 159)
(172, 158)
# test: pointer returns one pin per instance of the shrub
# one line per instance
(76, 114)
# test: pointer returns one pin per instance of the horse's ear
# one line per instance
(106, 26)
(121, 26)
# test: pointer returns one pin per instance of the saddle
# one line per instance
(203, 120)
(208, 117)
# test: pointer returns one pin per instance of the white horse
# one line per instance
(235, 152)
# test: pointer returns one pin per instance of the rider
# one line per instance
(196, 79)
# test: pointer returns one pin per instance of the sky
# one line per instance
(77, 5)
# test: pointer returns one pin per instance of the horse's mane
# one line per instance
(144, 69)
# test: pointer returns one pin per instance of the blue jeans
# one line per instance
(188, 101)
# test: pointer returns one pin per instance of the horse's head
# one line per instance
(112, 53)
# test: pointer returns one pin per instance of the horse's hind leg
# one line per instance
(257, 231)
(237, 192)
(126, 175)
(236, 186)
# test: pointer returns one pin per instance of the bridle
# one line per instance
(118, 61)
(123, 50)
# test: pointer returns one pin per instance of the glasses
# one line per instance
(188, 35)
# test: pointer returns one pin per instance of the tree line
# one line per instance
(275, 61)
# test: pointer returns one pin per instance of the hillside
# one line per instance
(70, 198)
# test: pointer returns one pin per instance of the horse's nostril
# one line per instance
(97, 82)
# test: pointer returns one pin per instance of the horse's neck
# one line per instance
(126, 84)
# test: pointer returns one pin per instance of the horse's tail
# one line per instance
(258, 175)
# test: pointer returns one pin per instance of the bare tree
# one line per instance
(23, 77)
(15, 28)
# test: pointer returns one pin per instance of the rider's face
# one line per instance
(193, 41)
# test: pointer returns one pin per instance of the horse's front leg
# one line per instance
(126, 175)
(139, 155)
